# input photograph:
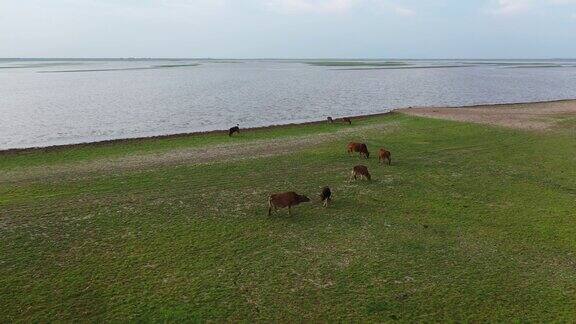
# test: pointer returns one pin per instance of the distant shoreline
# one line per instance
(276, 59)
(52, 148)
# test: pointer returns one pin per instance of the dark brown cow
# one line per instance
(235, 129)
(285, 199)
(330, 120)
(358, 147)
(360, 171)
(384, 155)
(326, 196)
(347, 120)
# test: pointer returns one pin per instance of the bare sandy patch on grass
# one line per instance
(532, 116)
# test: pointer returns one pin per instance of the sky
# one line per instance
(418, 29)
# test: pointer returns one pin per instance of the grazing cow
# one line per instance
(384, 155)
(361, 171)
(361, 148)
(326, 196)
(347, 120)
(235, 129)
(330, 120)
(285, 199)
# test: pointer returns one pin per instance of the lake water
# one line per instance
(45, 103)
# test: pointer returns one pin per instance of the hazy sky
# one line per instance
(289, 28)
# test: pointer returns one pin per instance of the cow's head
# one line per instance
(302, 198)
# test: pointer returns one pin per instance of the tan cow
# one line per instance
(360, 171)
(384, 155)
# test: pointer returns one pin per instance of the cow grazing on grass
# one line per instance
(384, 155)
(347, 120)
(360, 171)
(235, 129)
(361, 148)
(330, 120)
(326, 196)
(285, 199)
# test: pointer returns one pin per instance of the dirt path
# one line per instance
(534, 116)
(187, 156)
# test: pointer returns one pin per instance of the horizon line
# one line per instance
(278, 58)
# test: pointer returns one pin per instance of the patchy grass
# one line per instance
(152, 67)
(356, 63)
(470, 223)
(132, 147)
(565, 122)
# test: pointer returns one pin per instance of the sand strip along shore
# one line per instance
(532, 116)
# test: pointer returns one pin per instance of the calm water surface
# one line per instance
(42, 106)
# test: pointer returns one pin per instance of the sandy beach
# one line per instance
(534, 116)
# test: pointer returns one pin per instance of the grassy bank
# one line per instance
(356, 63)
(470, 223)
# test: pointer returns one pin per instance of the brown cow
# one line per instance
(360, 171)
(326, 196)
(347, 120)
(330, 120)
(384, 155)
(358, 147)
(285, 199)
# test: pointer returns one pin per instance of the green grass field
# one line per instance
(470, 223)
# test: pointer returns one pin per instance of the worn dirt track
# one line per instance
(532, 116)
(186, 156)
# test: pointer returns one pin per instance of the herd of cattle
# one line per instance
(289, 199)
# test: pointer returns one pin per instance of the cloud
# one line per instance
(310, 6)
(511, 7)
(155, 10)
(399, 10)
(562, 2)
(334, 6)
